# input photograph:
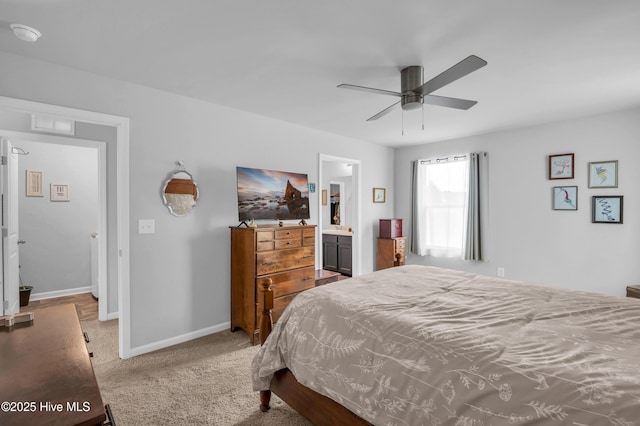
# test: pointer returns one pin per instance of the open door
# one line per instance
(10, 258)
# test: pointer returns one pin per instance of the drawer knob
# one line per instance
(306, 279)
(306, 257)
(269, 263)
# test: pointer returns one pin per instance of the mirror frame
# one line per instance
(175, 175)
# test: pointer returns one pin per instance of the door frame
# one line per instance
(356, 238)
(101, 148)
(121, 167)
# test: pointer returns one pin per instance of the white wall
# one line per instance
(180, 275)
(57, 253)
(530, 240)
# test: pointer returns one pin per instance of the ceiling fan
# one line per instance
(414, 93)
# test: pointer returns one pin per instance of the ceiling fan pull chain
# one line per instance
(402, 115)
(423, 117)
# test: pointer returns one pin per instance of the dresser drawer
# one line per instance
(282, 244)
(264, 241)
(281, 260)
(288, 234)
(285, 286)
(289, 282)
(278, 307)
(309, 237)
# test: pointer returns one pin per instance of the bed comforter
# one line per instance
(418, 345)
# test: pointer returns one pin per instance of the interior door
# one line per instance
(10, 257)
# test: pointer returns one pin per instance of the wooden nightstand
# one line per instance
(633, 291)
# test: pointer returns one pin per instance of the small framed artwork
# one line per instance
(324, 197)
(59, 192)
(606, 209)
(34, 183)
(312, 187)
(603, 174)
(379, 195)
(561, 166)
(565, 198)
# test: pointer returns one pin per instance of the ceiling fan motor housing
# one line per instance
(411, 78)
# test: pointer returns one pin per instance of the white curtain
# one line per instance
(447, 206)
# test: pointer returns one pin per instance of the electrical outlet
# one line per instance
(500, 271)
(146, 226)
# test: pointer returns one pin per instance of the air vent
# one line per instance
(50, 124)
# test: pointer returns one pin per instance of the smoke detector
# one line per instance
(25, 33)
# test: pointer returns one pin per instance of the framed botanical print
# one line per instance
(379, 195)
(606, 209)
(603, 174)
(561, 166)
(34, 183)
(565, 198)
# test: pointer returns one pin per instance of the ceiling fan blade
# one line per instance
(448, 102)
(459, 70)
(385, 111)
(369, 89)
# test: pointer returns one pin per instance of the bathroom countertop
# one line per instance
(337, 232)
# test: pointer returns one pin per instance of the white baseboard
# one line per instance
(60, 293)
(139, 350)
(113, 315)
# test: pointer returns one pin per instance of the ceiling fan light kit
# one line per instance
(415, 93)
(25, 33)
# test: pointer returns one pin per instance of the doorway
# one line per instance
(349, 202)
(60, 235)
(117, 172)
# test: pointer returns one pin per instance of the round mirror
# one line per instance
(180, 193)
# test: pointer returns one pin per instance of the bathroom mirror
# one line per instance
(180, 193)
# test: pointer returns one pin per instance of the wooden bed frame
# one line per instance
(316, 408)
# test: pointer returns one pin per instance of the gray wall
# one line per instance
(530, 240)
(57, 253)
(180, 274)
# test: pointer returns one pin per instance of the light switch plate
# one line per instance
(146, 226)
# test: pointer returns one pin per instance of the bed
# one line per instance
(417, 345)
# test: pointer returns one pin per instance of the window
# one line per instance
(449, 211)
(443, 184)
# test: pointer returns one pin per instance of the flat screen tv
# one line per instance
(271, 194)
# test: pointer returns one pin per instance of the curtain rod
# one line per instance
(439, 160)
(455, 158)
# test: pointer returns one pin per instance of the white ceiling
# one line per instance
(547, 59)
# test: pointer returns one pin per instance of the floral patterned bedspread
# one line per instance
(418, 345)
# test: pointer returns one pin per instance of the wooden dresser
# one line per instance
(284, 254)
(46, 374)
(387, 250)
(633, 291)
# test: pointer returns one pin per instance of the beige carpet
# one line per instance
(202, 382)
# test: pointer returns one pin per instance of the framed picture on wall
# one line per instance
(34, 183)
(565, 198)
(379, 195)
(324, 197)
(59, 192)
(603, 174)
(606, 209)
(561, 166)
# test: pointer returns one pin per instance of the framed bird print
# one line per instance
(561, 166)
(565, 198)
(603, 174)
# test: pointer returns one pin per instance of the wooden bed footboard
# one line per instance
(316, 408)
